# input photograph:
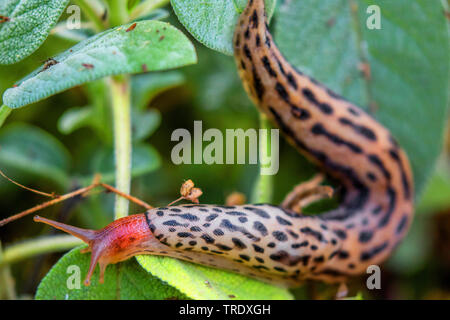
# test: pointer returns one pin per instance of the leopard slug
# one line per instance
(266, 241)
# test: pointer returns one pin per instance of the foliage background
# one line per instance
(209, 91)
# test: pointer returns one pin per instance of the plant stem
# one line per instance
(6, 280)
(121, 105)
(263, 189)
(34, 247)
(91, 14)
(118, 12)
(4, 113)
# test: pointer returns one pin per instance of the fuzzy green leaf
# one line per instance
(200, 282)
(32, 150)
(75, 118)
(150, 46)
(144, 87)
(28, 25)
(144, 123)
(212, 22)
(124, 281)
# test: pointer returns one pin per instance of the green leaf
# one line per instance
(415, 251)
(144, 87)
(408, 58)
(123, 281)
(200, 282)
(29, 24)
(75, 118)
(150, 46)
(144, 123)
(436, 196)
(144, 158)
(34, 151)
(212, 22)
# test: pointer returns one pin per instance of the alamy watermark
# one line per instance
(263, 147)
(373, 22)
(74, 19)
(374, 280)
(74, 279)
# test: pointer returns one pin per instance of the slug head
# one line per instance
(118, 241)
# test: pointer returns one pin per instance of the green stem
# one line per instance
(121, 105)
(263, 189)
(4, 113)
(118, 12)
(33, 247)
(91, 14)
(6, 280)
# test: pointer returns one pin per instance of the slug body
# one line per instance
(268, 242)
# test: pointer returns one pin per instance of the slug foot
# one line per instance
(306, 193)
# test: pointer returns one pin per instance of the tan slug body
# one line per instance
(268, 242)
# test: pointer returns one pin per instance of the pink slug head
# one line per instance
(118, 241)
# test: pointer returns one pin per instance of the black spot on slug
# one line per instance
(359, 129)
(282, 92)
(319, 129)
(207, 238)
(238, 243)
(365, 236)
(299, 245)
(268, 67)
(402, 224)
(259, 212)
(283, 222)
(367, 255)
(185, 235)
(258, 248)
(244, 257)
(258, 226)
(280, 236)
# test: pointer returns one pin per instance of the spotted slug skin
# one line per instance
(268, 242)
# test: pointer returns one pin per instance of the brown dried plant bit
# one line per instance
(4, 19)
(50, 195)
(194, 195)
(186, 188)
(364, 67)
(88, 65)
(49, 62)
(188, 192)
(104, 15)
(59, 198)
(331, 22)
(161, 38)
(235, 199)
(131, 28)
